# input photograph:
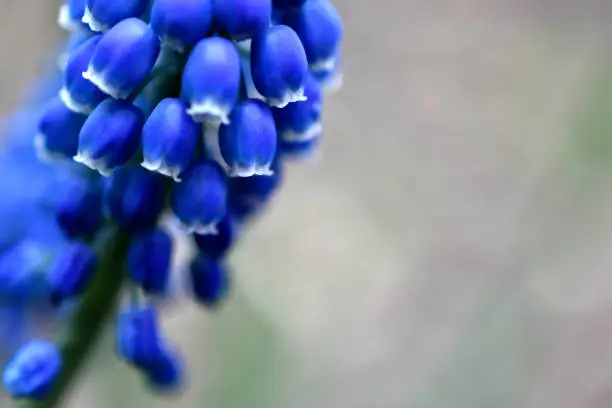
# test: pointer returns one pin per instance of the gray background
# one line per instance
(451, 247)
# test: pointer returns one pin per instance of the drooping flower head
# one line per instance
(169, 118)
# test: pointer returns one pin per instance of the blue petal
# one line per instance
(79, 94)
(319, 26)
(181, 23)
(242, 19)
(248, 142)
(101, 15)
(209, 281)
(78, 207)
(217, 246)
(135, 197)
(123, 58)
(33, 370)
(71, 271)
(248, 195)
(149, 260)
(137, 338)
(279, 66)
(58, 131)
(200, 201)
(169, 139)
(166, 374)
(301, 121)
(211, 79)
(110, 136)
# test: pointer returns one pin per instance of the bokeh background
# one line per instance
(451, 248)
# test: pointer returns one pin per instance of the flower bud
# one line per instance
(135, 198)
(319, 27)
(217, 246)
(279, 66)
(169, 139)
(248, 195)
(58, 131)
(181, 23)
(200, 201)
(149, 259)
(79, 94)
(248, 142)
(101, 15)
(71, 271)
(166, 374)
(137, 338)
(110, 136)
(211, 80)
(209, 281)
(32, 371)
(242, 19)
(301, 121)
(78, 207)
(123, 58)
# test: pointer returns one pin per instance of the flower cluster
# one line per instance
(182, 107)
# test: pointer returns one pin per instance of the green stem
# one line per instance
(89, 320)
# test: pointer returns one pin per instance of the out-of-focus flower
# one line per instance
(33, 370)
(214, 95)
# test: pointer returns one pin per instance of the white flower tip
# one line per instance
(200, 229)
(333, 83)
(72, 104)
(94, 25)
(40, 146)
(95, 164)
(312, 132)
(163, 169)
(290, 96)
(96, 78)
(209, 111)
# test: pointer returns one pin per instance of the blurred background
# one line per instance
(451, 247)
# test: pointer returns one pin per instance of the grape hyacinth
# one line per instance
(169, 119)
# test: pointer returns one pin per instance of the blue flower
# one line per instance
(248, 195)
(33, 370)
(200, 201)
(242, 19)
(169, 139)
(101, 15)
(181, 23)
(211, 80)
(301, 121)
(166, 374)
(137, 337)
(209, 281)
(149, 261)
(22, 271)
(71, 271)
(319, 27)
(216, 246)
(78, 93)
(248, 142)
(279, 47)
(135, 197)
(123, 58)
(58, 131)
(110, 136)
(78, 206)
